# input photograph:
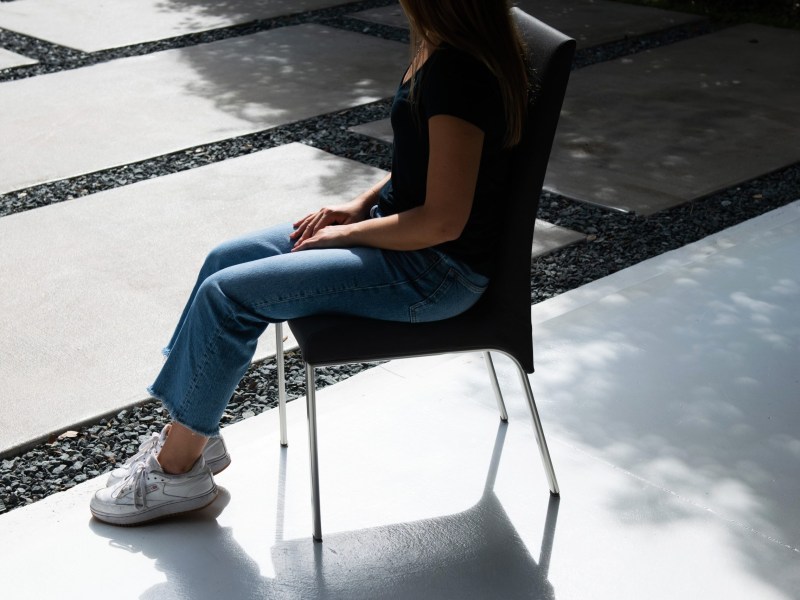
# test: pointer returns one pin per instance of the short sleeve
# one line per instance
(456, 84)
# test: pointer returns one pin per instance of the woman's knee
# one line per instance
(224, 301)
(210, 296)
(247, 248)
(221, 257)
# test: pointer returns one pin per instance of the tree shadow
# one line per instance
(289, 74)
(688, 380)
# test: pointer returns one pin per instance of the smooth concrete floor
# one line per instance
(90, 26)
(590, 22)
(426, 495)
(136, 108)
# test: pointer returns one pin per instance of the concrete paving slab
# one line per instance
(134, 108)
(394, 16)
(91, 26)
(662, 127)
(380, 130)
(548, 238)
(10, 59)
(92, 288)
(457, 509)
(590, 22)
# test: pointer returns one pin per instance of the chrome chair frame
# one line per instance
(311, 408)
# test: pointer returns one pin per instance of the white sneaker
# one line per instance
(215, 454)
(148, 493)
(151, 445)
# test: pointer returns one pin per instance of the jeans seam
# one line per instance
(454, 277)
(478, 289)
(199, 371)
(446, 284)
(203, 363)
(347, 290)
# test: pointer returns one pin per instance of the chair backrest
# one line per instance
(501, 319)
(549, 57)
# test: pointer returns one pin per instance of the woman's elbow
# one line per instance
(449, 231)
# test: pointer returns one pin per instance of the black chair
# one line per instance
(501, 320)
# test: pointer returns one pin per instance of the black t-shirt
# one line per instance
(452, 82)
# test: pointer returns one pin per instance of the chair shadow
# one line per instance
(474, 554)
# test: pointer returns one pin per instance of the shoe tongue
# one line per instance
(152, 463)
(163, 437)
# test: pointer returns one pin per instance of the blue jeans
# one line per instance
(252, 281)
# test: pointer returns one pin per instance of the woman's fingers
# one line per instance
(324, 237)
(311, 241)
(306, 226)
(311, 224)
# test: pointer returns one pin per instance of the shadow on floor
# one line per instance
(472, 554)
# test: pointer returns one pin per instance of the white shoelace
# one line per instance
(145, 449)
(137, 481)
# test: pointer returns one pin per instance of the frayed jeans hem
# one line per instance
(178, 418)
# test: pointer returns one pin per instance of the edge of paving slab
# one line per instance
(91, 420)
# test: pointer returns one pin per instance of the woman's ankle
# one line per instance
(181, 450)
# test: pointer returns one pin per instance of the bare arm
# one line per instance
(455, 154)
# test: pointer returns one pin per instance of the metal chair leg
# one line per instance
(311, 403)
(281, 382)
(495, 386)
(537, 425)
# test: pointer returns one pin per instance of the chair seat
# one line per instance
(321, 338)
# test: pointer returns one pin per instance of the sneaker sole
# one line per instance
(163, 511)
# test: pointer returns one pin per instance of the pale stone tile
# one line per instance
(10, 59)
(135, 108)
(590, 22)
(393, 16)
(662, 127)
(90, 26)
(549, 238)
(381, 130)
(92, 288)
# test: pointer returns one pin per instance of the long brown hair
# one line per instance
(485, 30)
